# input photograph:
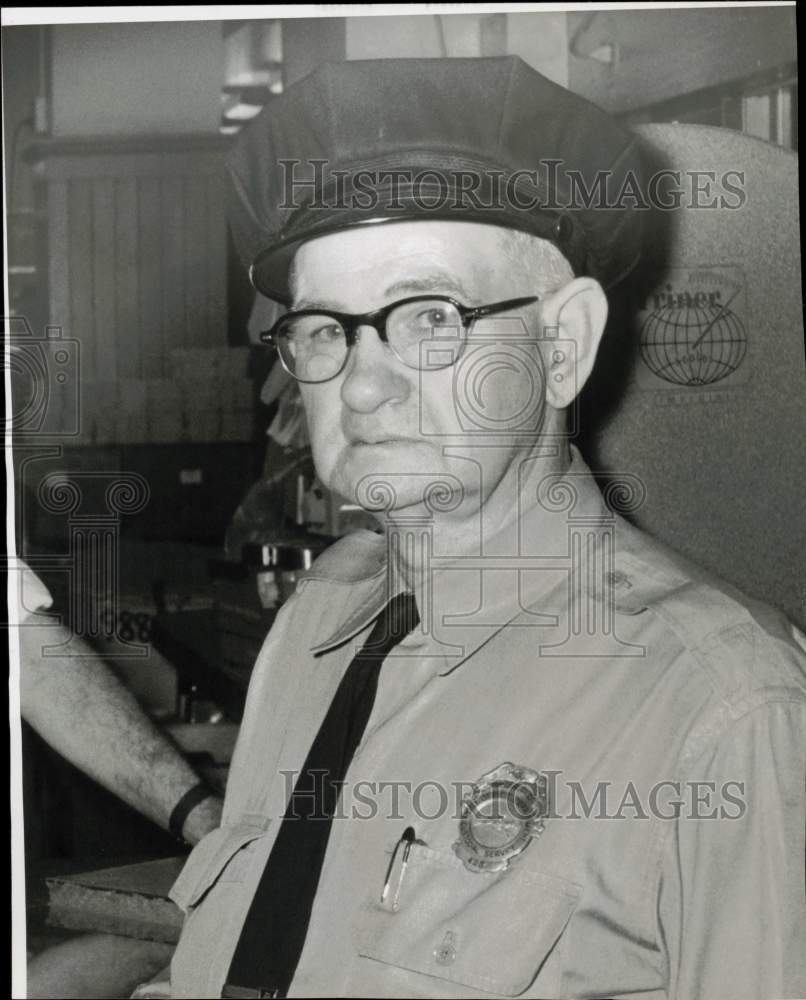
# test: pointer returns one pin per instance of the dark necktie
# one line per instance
(276, 925)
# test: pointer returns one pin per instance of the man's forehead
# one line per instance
(401, 257)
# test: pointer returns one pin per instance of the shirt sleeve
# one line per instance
(731, 907)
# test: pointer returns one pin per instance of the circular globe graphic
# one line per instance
(693, 345)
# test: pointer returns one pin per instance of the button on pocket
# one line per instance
(445, 954)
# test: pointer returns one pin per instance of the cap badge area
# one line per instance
(504, 810)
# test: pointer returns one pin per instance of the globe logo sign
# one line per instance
(693, 337)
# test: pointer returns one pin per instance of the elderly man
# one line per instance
(508, 745)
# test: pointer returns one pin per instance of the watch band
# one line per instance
(192, 797)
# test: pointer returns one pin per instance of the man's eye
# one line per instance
(312, 334)
(331, 332)
(436, 316)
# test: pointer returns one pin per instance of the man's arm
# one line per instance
(86, 714)
(732, 913)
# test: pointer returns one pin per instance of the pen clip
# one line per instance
(407, 838)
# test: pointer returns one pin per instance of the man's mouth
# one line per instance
(392, 439)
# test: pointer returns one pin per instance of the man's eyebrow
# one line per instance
(299, 304)
(436, 281)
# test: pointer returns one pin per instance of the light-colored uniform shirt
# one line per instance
(573, 646)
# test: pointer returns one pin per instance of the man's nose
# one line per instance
(373, 376)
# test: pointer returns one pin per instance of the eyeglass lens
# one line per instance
(424, 335)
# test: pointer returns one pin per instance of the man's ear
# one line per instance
(575, 316)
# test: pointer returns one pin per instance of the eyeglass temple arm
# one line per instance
(496, 307)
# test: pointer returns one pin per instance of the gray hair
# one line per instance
(539, 261)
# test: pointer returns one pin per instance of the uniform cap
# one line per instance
(481, 140)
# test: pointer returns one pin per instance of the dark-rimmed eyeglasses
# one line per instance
(425, 332)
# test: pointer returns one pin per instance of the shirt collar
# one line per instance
(448, 633)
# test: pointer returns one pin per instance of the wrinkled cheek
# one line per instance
(324, 432)
(499, 388)
(325, 447)
(343, 482)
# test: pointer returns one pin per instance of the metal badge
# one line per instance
(505, 810)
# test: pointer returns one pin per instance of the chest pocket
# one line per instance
(224, 855)
(492, 932)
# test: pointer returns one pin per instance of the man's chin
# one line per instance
(381, 458)
(387, 475)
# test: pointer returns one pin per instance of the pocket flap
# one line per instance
(208, 860)
(492, 932)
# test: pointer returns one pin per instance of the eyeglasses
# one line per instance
(425, 332)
